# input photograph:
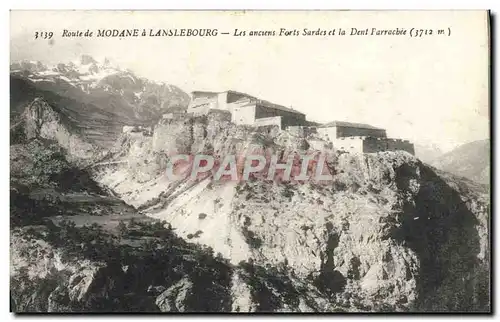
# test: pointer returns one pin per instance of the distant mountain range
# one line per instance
(470, 160)
(97, 94)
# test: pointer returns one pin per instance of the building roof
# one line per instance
(278, 107)
(267, 103)
(349, 124)
(257, 100)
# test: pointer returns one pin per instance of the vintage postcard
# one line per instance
(250, 161)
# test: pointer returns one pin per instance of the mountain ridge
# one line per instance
(470, 160)
(105, 86)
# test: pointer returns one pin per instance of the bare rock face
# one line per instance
(46, 283)
(41, 121)
(241, 295)
(81, 290)
(176, 298)
(387, 233)
(48, 276)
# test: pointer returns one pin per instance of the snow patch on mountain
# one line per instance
(106, 85)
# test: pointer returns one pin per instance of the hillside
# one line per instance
(75, 247)
(376, 237)
(427, 153)
(98, 226)
(471, 160)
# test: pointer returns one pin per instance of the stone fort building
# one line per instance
(249, 110)
(246, 109)
(357, 137)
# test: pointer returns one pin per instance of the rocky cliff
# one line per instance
(40, 120)
(388, 232)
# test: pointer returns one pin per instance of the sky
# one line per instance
(432, 90)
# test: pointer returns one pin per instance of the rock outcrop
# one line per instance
(40, 120)
(176, 297)
(386, 233)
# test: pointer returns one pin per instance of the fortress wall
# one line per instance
(201, 95)
(358, 144)
(292, 119)
(222, 101)
(372, 145)
(275, 120)
(311, 130)
(344, 131)
(400, 145)
(353, 144)
(243, 115)
(238, 104)
(202, 109)
(202, 104)
(329, 133)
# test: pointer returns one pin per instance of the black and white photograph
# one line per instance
(250, 161)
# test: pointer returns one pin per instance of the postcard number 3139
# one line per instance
(43, 34)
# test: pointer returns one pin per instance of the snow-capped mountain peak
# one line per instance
(82, 71)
